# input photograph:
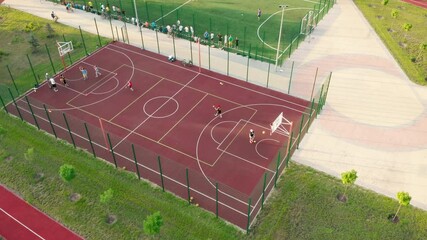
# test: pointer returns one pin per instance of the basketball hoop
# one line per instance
(279, 125)
(64, 48)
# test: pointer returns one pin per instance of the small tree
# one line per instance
(407, 27)
(50, 31)
(394, 15)
(153, 223)
(106, 196)
(29, 155)
(34, 43)
(348, 178)
(67, 172)
(404, 200)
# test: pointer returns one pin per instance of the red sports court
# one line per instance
(166, 129)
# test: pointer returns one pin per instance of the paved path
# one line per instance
(375, 119)
(19, 220)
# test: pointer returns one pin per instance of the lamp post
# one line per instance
(280, 33)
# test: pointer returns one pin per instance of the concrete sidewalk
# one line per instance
(374, 121)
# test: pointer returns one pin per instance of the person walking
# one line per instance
(63, 80)
(252, 136)
(130, 85)
(97, 72)
(218, 110)
(54, 16)
(259, 14)
(52, 84)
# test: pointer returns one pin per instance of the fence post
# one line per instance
(50, 58)
(300, 129)
(83, 40)
(112, 29)
(174, 48)
(142, 38)
(69, 56)
(320, 100)
(123, 35)
(314, 83)
(50, 121)
(16, 105)
(216, 199)
(32, 113)
(117, 32)
(112, 150)
(311, 111)
(290, 78)
(97, 32)
(188, 186)
(69, 130)
(90, 140)
(161, 173)
(13, 80)
(146, 8)
(268, 73)
(247, 64)
(32, 69)
(263, 191)
(4, 106)
(136, 162)
(288, 156)
(157, 40)
(249, 215)
(277, 170)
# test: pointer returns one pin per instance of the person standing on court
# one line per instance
(97, 72)
(130, 85)
(252, 136)
(218, 111)
(52, 84)
(84, 72)
(63, 80)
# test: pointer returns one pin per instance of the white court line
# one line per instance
(180, 6)
(16, 220)
(154, 171)
(158, 109)
(130, 104)
(218, 79)
(195, 105)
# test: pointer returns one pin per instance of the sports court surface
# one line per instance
(19, 220)
(167, 125)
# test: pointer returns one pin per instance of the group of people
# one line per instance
(52, 83)
(225, 41)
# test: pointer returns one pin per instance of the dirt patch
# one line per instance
(393, 219)
(39, 176)
(403, 45)
(75, 197)
(8, 159)
(111, 219)
(341, 198)
(380, 17)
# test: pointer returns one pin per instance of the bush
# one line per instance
(67, 172)
(106, 196)
(31, 27)
(153, 223)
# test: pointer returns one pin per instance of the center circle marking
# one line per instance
(165, 102)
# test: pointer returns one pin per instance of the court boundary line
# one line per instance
(215, 78)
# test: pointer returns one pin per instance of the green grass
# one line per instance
(403, 49)
(303, 207)
(15, 47)
(133, 199)
(235, 17)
